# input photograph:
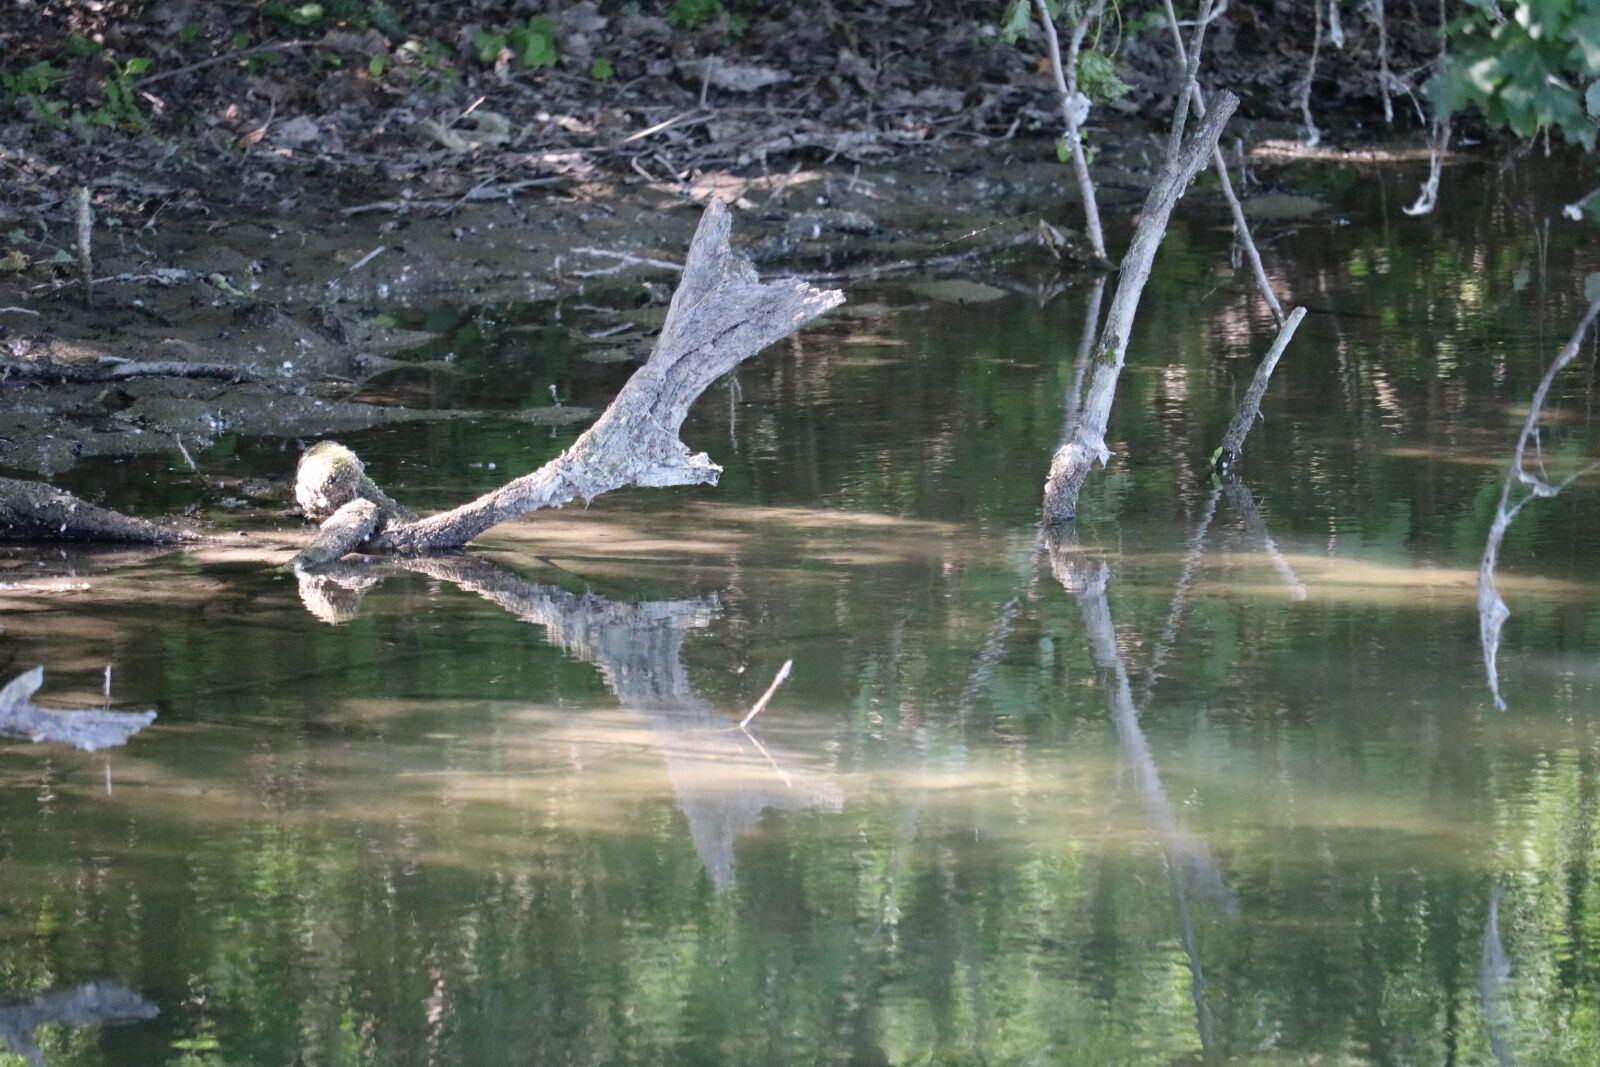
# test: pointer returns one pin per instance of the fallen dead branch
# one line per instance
(721, 315)
(33, 511)
(113, 369)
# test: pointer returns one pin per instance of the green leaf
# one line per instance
(1098, 80)
(601, 69)
(79, 45)
(488, 45)
(1017, 22)
(1591, 100)
(377, 64)
(137, 65)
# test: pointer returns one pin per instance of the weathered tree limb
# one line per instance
(1074, 460)
(1241, 225)
(1066, 76)
(34, 511)
(1239, 428)
(721, 315)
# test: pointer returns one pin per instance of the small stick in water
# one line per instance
(760, 705)
(85, 232)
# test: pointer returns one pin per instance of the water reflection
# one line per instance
(95, 1004)
(722, 776)
(1492, 610)
(87, 729)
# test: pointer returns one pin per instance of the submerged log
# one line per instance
(721, 315)
(34, 511)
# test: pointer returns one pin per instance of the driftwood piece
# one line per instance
(1239, 427)
(1073, 460)
(34, 511)
(721, 315)
(87, 729)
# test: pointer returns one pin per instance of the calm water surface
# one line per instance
(1219, 778)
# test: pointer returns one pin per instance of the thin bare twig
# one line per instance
(761, 705)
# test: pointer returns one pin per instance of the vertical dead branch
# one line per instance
(1239, 428)
(1073, 112)
(1086, 448)
(1241, 226)
(1313, 136)
(1438, 144)
(1384, 77)
(85, 236)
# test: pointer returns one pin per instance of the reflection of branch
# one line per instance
(1244, 502)
(86, 729)
(1492, 610)
(1493, 971)
(1190, 865)
(87, 1005)
(722, 778)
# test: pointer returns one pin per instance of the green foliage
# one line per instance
(533, 43)
(1097, 78)
(1017, 22)
(601, 69)
(692, 14)
(1537, 69)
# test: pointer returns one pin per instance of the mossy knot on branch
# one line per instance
(330, 476)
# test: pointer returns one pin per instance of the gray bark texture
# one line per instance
(1087, 447)
(34, 511)
(1245, 417)
(721, 315)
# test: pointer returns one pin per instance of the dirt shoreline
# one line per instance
(296, 297)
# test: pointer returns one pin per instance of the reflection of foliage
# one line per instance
(1537, 69)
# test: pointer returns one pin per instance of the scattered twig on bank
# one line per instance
(624, 260)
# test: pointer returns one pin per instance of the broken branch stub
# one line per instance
(721, 315)
(1239, 428)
